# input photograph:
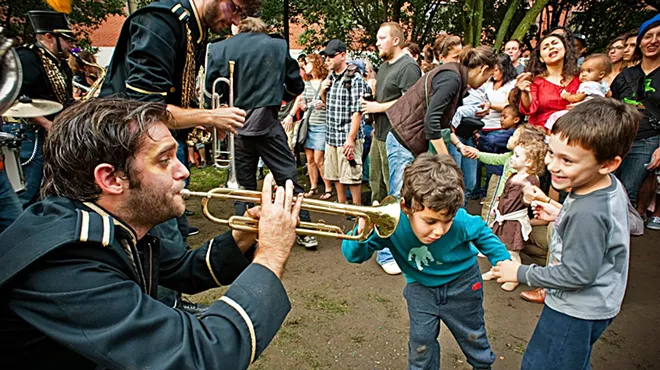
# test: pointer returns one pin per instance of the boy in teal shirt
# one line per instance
(434, 244)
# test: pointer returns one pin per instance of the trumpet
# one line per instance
(90, 91)
(229, 163)
(384, 217)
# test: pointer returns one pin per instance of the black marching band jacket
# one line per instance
(78, 291)
(158, 54)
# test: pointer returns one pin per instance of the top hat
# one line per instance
(47, 21)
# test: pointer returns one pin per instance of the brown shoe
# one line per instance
(536, 296)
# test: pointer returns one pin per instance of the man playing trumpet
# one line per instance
(84, 297)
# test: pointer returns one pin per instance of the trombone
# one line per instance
(229, 163)
(384, 217)
(90, 92)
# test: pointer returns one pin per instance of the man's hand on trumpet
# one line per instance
(277, 225)
(227, 119)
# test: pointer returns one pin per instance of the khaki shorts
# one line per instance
(337, 168)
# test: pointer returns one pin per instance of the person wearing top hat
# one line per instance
(46, 75)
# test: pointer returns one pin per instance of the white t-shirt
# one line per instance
(592, 88)
(497, 97)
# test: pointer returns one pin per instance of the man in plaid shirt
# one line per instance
(341, 93)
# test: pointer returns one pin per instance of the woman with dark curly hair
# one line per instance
(551, 70)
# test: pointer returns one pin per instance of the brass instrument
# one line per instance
(229, 163)
(90, 92)
(385, 217)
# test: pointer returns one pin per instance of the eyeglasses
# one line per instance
(617, 47)
(237, 9)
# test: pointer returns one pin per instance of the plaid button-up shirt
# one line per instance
(340, 104)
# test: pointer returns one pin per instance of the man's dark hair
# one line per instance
(86, 134)
(606, 127)
(433, 181)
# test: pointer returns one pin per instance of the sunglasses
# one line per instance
(237, 9)
(328, 56)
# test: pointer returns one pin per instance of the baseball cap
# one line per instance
(334, 46)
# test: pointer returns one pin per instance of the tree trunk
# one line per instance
(529, 18)
(468, 10)
(504, 26)
(285, 20)
(477, 22)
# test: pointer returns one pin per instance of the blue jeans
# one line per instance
(562, 342)
(10, 206)
(181, 155)
(632, 173)
(34, 170)
(398, 158)
(459, 304)
(467, 166)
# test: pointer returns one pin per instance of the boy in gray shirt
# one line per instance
(587, 271)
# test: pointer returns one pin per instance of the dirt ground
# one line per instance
(347, 316)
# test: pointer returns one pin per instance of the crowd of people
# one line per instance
(560, 147)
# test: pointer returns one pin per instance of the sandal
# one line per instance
(311, 192)
(327, 195)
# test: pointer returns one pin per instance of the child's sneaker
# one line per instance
(653, 223)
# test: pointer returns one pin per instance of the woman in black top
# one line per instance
(640, 85)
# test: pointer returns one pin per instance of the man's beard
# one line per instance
(148, 208)
(211, 13)
(386, 55)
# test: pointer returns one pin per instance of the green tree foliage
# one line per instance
(357, 22)
(85, 16)
(602, 21)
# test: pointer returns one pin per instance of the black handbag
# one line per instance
(468, 127)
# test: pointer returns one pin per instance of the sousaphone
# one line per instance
(11, 73)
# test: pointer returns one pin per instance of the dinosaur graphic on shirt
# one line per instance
(422, 256)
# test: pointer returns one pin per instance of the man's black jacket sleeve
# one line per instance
(216, 263)
(151, 57)
(81, 295)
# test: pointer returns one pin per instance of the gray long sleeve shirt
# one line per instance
(587, 272)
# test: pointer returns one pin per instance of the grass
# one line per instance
(328, 305)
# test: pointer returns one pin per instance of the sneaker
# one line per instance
(391, 268)
(193, 231)
(307, 241)
(653, 223)
(196, 309)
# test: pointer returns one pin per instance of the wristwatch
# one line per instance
(459, 146)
